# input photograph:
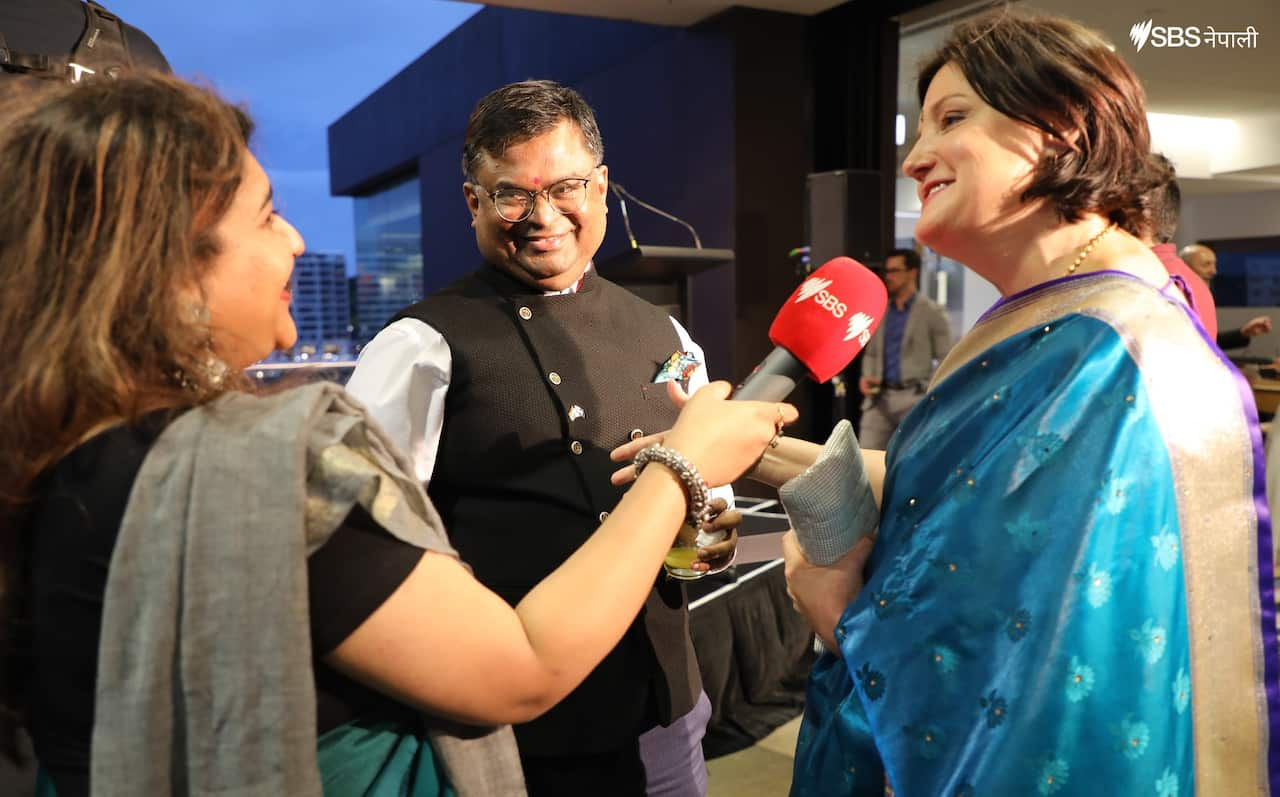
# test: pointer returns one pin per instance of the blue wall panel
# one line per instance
(664, 101)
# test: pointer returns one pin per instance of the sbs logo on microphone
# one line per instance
(816, 288)
(860, 328)
(811, 286)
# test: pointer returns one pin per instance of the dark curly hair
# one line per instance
(109, 198)
(1064, 79)
(521, 111)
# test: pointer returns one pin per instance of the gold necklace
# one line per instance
(1089, 248)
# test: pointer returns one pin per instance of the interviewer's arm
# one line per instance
(446, 644)
(779, 464)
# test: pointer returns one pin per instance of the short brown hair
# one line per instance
(521, 111)
(1062, 78)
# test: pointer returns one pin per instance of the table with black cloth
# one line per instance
(754, 650)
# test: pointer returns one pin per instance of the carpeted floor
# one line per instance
(762, 770)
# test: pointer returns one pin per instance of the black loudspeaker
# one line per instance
(844, 216)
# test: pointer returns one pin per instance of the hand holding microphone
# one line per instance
(825, 322)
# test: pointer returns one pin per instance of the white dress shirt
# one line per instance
(403, 374)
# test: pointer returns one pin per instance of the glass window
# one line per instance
(388, 255)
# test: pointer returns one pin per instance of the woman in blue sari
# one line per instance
(1071, 588)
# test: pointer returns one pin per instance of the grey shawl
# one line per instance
(831, 505)
(205, 683)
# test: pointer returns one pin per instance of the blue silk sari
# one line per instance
(1072, 589)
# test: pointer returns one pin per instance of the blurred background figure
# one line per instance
(903, 352)
(1204, 262)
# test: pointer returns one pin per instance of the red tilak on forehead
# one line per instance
(537, 181)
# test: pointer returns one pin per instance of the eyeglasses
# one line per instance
(567, 196)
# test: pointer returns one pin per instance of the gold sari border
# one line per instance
(1198, 409)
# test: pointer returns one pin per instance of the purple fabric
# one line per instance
(1185, 290)
(673, 761)
(1266, 568)
(1266, 575)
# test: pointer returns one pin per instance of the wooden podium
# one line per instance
(661, 274)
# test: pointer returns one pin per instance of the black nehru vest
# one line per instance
(541, 389)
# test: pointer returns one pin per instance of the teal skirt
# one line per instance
(377, 759)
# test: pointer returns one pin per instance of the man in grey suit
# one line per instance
(901, 356)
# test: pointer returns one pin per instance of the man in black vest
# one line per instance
(509, 388)
(70, 40)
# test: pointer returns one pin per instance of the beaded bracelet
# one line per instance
(695, 487)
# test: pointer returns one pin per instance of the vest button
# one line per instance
(526, 313)
(554, 378)
(575, 447)
(636, 434)
(604, 516)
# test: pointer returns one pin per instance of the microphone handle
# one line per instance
(773, 379)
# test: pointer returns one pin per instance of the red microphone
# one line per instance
(820, 329)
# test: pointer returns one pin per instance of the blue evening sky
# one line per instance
(298, 66)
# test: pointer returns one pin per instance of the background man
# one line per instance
(1166, 207)
(1204, 262)
(901, 355)
(509, 388)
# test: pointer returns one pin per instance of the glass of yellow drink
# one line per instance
(683, 553)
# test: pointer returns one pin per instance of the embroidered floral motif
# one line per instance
(996, 708)
(1134, 737)
(1181, 691)
(1042, 446)
(886, 604)
(872, 682)
(1150, 640)
(1167, 785)
(1116, 494)
(1054, 774)
(1166, 545)
(928, 740)
(1079, 681)
(1019, 625)
(1097, 589)
(944, 659)
(1028, 535)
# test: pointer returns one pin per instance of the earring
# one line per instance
(215, 371)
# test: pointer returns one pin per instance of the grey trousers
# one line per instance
(882, 417)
